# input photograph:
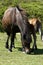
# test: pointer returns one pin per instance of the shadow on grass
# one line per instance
(35, 52)
(38, 52)
(19, 48)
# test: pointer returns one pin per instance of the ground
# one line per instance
(17, 57)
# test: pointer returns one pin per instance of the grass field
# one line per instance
(17, 57)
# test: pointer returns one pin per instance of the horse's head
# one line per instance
(27, 35)
(27, 41)
(25, 29)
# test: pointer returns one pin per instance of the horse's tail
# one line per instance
(20, 9)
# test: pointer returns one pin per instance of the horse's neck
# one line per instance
(20, 20)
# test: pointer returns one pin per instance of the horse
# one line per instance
(14, 21)
(35, 26)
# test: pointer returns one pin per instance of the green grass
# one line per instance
(17, 57)
(34, 8)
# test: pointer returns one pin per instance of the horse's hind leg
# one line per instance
(12, 42)
(13, 37)
(7, 46)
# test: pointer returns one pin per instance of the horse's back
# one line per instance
(7, 18)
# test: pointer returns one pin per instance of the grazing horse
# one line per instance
(15, 21)
(35, 26)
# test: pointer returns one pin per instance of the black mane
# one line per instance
(19, 8)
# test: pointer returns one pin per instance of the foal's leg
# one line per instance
(34, 45)
(7, 46)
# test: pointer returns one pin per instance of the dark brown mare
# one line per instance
(15, 21)
(35, 26)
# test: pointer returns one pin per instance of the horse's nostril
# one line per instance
(27, 51)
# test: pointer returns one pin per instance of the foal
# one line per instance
(35, 26)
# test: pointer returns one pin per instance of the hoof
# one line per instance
(28, 52)
(7, 47)
(10, 50)
(13, 46)
(23, 51)
(35, 48)
(32, 50)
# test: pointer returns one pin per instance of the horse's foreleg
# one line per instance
(7, 46)
(23, 47)
(13, 38)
